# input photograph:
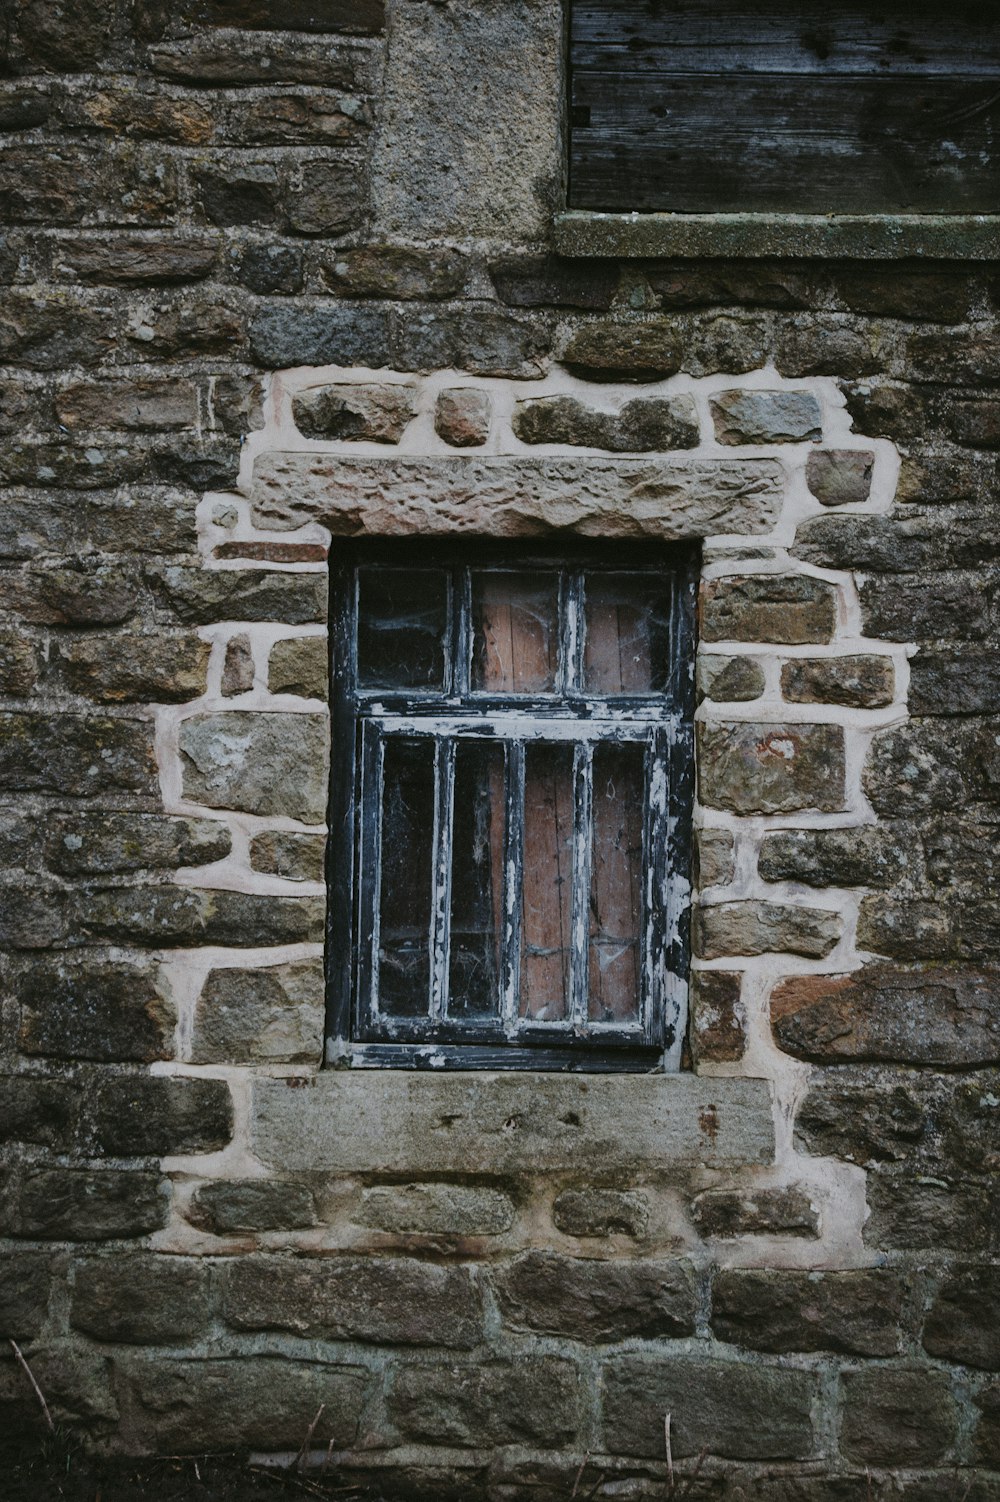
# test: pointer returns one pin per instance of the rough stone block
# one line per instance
(929, 765)
(25, 1278)
(715, 860)
(88, 594)
(18, 664)
(436, 1209)
(729, 1408)
(75, 755)
(923, 929)
(88, 843)
(930, 1213)
(730, 1213)
(274, 1015)
(242, 1205)
(516, 496)
(396, 271)
(375, 414)
(65, 1204)
(474, 339)
(119, 669)
(283, 334)
(840, 477)
(86, 1009)
(955, 682)
(462, 416)
(789, 609)
(897, 1416)
(296, 857)
(553, 282)
(384, 1300)
(238, 668)
(140, 1299)
(750, 928)
(861, 682)
(237, 1403)
(501, 1123)
(634, 350)
(987, 1433)
(718, 1033)
(919, 1015)
(863, 857)
(602, 1212)
(128, 258)
(136, 519)
(772, 769)
(925, 606)
(151, 1116)
(38, 1110)
(148, 917)
(963, 1323)
(597, 1301)
(260, 763)
(729, 679)
(147, 405)
(535, 1400)
(766, 417)
(639, 426)
(199, 596)
(858, 1313)
(300, 665)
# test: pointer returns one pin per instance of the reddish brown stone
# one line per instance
(717, 1022)
(274, 552)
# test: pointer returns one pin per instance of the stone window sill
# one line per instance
(952, 237)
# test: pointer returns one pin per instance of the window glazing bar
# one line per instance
(513, 887)
(444, 818)
(583, 810)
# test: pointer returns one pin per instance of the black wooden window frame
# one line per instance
(363, 719)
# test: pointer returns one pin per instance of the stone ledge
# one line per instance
(399, 1123)
(669, 499)
(952, 237)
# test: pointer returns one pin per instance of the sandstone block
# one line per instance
(920, 1015)
(729, 679)
(863, 857)
(535, 1400)
(602, 1213)
(238, 667)
(75, 755)
(241, 1205)
(396, 271)
(932, 1213)
(764, 927)
(733, 1410)
(273, 1015)
(239, 1402)
(300, 665)
(636, 350)
(86, 1009)
(717, 1017)
(861, 682)
(840, 477)
(963, 1323)
(638, 427)
(118, 669)
(766, 417)
(140, 519)
(296, 857)
(128, 258)
(88, 843)
(771, 769)
(199, 596)
(714, 857)
(858, 1313)
(261, 763)
(462, 416)
(436, 1209)
(148, 917)
(327, 199)
(385, 1300)
(18, 664)
(87, 594)
(919, 930)
(140, 1299)
(788, 609)
(897, 1416)
(597, 1301)
(151, 1116)
(730, 1213)
(65, 1204)
(377, 414)
(145, 405)
(515, 497)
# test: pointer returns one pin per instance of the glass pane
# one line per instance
(515, 632)
(627, 648)
(477, 881)
(616, 884)
(548, 883)
(407, 878)
(402, 621)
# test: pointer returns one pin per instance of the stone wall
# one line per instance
(266, 288)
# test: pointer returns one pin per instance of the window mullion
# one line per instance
(370, 863)
(571, 666)
(513, 886)
(583, 768)
(444, 811)
(462, 631)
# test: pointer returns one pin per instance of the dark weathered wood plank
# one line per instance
(813, 36)
(695, 144)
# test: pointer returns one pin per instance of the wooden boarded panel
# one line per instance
(711, 107)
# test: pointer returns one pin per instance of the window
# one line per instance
(512, 778)
(703, 106)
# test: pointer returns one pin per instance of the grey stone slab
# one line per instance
(391, 1122)
(516, 497)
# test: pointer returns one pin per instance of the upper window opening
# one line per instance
(511, 808)
(703, 106)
